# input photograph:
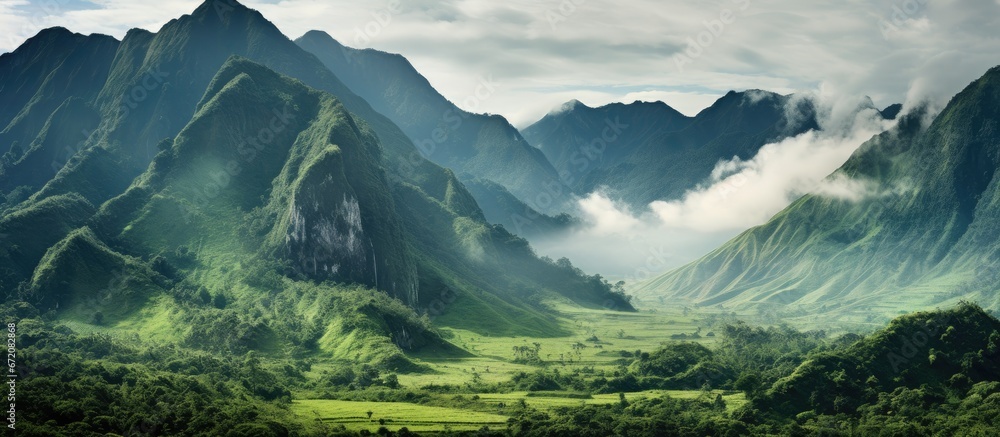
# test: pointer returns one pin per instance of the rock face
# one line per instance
(325, 236)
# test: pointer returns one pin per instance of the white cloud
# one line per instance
(604, 51)
(743, 194)
(740, 194)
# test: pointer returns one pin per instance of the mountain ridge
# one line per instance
(473, 145)
(627, 150)
(930, 237)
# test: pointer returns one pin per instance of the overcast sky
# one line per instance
(545, 52)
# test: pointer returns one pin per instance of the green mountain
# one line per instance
(642, 152)
(155, 80)
(267, 192)
(475, 146)
(49, 85)
(921, 232)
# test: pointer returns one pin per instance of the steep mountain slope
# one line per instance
(924, 231)
(473, 145)
(156, 80)
(643, 152)
(48, 86)
(326, 219)
(501, 207)
(263, 185)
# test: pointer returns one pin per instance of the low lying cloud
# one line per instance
(737, 195)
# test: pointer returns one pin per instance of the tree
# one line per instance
(748, 383)
(392, 381)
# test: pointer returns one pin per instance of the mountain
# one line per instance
(642, 152)
(48, 87)
(502, 207)
(155, 81)
(475, 146)
(920, 229)
(267, 188)
(892, 111)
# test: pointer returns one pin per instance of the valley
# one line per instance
(214, 229)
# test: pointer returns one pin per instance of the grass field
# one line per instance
(544, 402)
(604, 334)
(396, 415)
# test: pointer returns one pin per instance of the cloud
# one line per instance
(742, 194)
(603, 51)
(739, 194)
(544, 53)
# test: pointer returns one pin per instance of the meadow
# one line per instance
(599, 340)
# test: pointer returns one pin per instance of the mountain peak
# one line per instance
(572, 105)
(221, 9)
(319, 35)
(57, 33)
(892, 111)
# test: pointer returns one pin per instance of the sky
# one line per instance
(541, 53)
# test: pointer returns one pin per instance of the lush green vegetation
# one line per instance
(226, 250)
(926, 373)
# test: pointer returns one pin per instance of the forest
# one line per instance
(927, 373)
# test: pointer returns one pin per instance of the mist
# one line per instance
(635, 245)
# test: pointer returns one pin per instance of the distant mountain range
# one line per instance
(924, 232)
(643, 152)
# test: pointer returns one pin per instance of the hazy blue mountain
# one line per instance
(643, 152)
(475, 146)
(48, 87)
(922, 233)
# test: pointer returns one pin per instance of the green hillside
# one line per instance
(475, 146)
(923, 235)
